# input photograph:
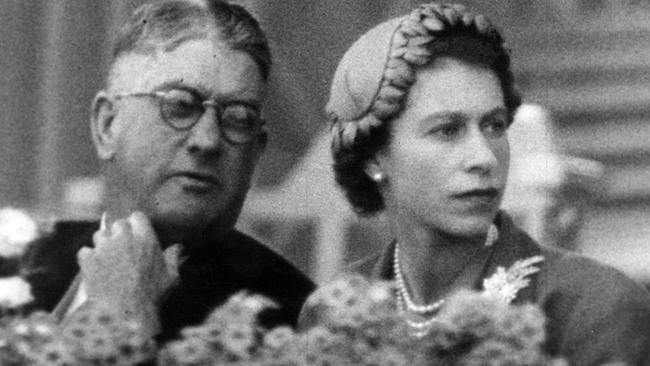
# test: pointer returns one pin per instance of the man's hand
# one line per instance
(127, 268)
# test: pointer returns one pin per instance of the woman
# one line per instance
(420, 107)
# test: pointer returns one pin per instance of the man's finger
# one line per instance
(141, 227)
(83, 256)
(120, 227)
(103, 242)
(103, 222)
(100, 236)
(172, 259)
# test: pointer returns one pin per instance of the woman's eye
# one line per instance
(496, 127)
(448, 131)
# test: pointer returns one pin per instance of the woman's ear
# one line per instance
(374, 171)
(102, 126)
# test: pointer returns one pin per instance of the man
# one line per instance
(179, 132)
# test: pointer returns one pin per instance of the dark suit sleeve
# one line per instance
(260, 270)
(50, 262)
(596, 315)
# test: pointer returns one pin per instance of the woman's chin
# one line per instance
(467, 226)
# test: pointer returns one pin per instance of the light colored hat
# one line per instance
(360, 72)
(373, 78)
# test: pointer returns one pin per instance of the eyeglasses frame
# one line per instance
(159, 95)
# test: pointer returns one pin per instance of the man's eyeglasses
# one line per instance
(238, 122)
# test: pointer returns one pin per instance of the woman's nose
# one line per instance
(479, 153)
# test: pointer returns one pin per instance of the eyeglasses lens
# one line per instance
(181, 109)
(239, 123)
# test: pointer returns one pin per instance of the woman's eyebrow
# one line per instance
(460, 115)
(496, 110)
(439, 118)
(444, 115)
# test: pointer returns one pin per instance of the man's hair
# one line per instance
(169, 23)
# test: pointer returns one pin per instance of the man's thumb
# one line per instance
(172, 259)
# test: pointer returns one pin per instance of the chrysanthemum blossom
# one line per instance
(17, 229)
(279, 337)
(14, 292)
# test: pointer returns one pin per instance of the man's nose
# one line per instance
(205, 134)
(479, 153)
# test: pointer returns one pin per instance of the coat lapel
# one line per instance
(512, 245)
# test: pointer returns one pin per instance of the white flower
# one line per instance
(505, 284)
(239, 340)
(278, 337)
(14, 291)
(21, 329)
(256, 303)
(17, 229)
(43, 330)
(380, 292)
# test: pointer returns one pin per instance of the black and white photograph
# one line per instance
(325, 182)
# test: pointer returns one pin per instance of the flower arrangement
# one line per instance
(355, 322)
(17, 230)
(92, 336)
(351, 321)
(14, 292)
(358, 333)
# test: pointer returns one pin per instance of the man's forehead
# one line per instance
(121, 77)
(206, 65)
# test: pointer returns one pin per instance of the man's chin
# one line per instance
(183, 219)
(192, 215)
(174, 228)
(189, 213)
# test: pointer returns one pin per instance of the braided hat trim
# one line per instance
(408, 50)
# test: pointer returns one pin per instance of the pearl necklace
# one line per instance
(403, 295)
(405, 302)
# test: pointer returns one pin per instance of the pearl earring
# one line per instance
(378, 177)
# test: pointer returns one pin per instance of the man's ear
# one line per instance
(262, 141)
(102, 126)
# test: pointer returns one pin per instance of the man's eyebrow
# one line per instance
(205, 93)
(179, 84)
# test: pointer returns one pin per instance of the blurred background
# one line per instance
(581, 145)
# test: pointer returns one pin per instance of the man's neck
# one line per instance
(169, 233)
(191, 238)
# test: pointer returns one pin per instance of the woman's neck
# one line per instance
(434, 264)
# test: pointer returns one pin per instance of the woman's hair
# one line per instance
(169, 23)
(372, 82)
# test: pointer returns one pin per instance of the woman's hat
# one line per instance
(373, 78)
(360, 72)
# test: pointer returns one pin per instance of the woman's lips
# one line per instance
(479, 192)
(482, 198)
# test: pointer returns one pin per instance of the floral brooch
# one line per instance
(506, 283)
